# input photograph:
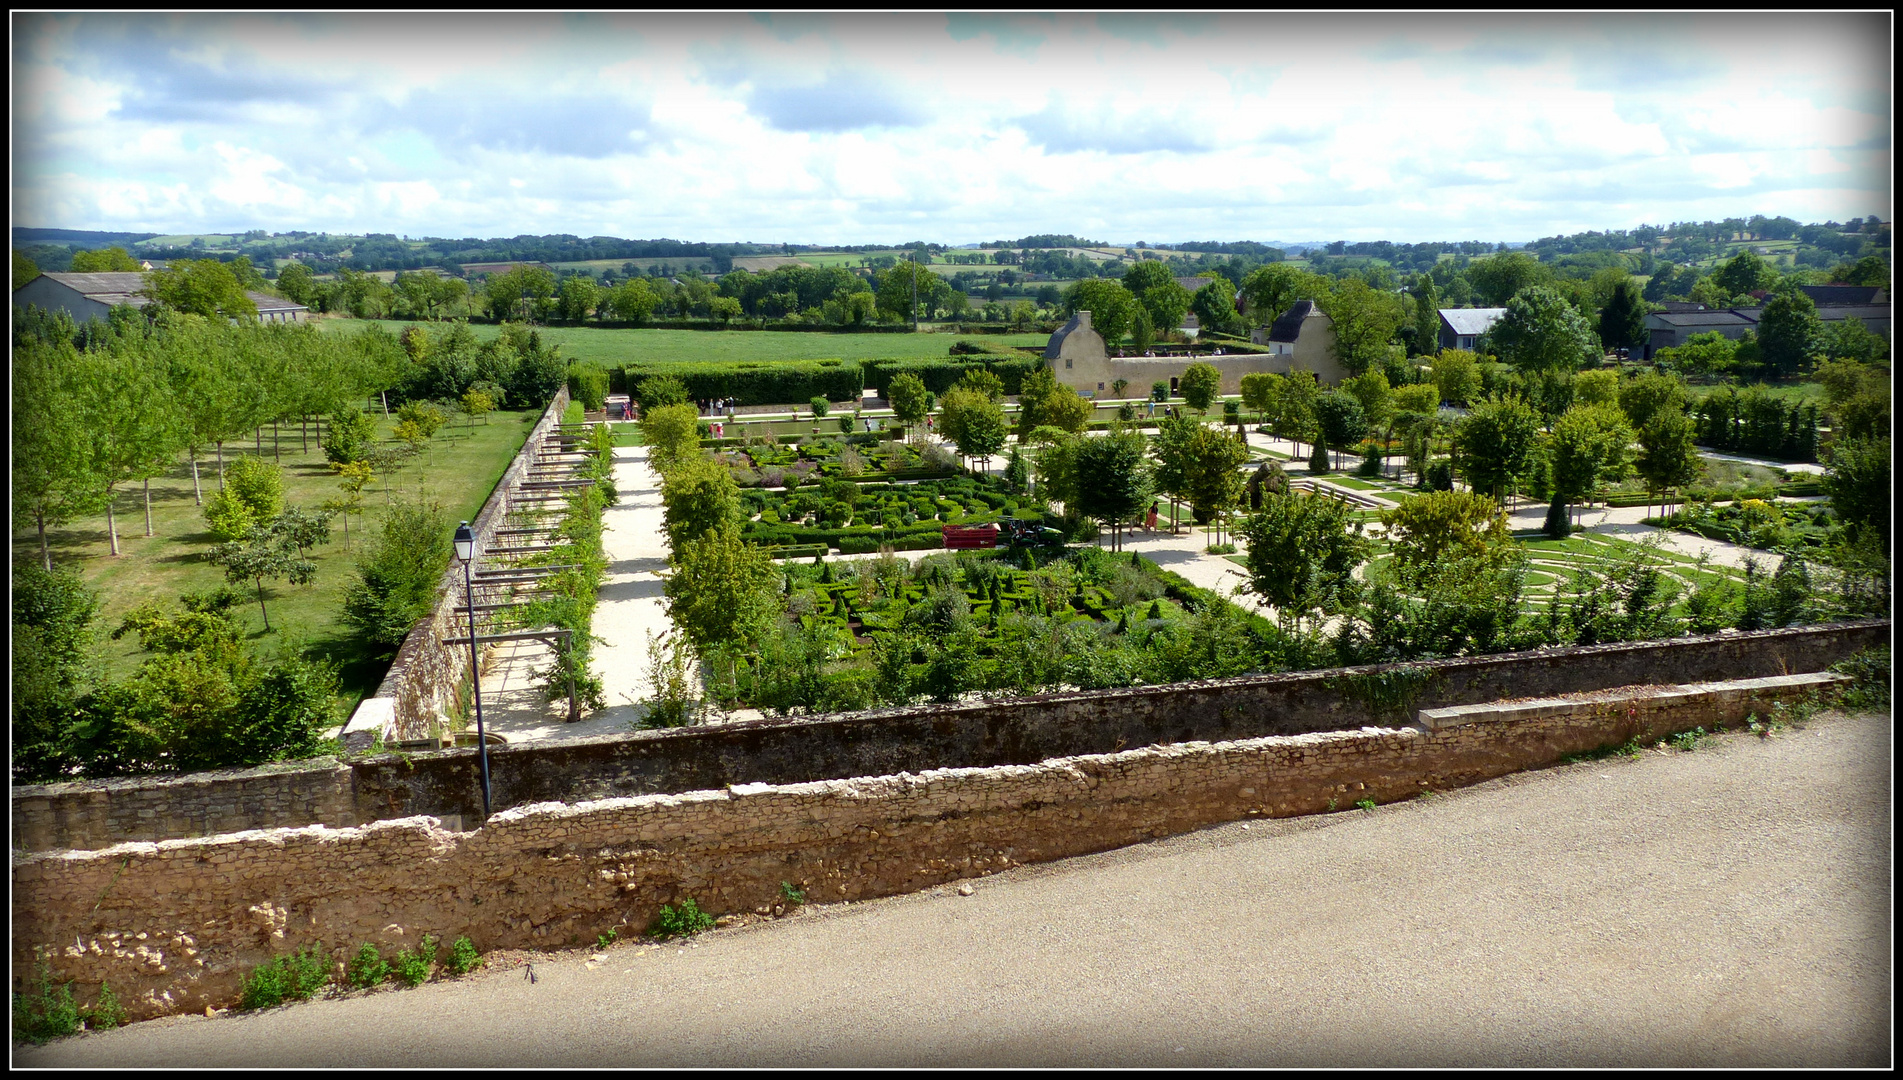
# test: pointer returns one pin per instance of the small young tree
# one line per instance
(697, 496)
(1667, 457)
(1434, 528)
(1341, 419)
(722, 591)
(349, 436)
(1590, 444)
(658, 390)
(1215, 482)
(264, 552)
(672, 433)
(1495, 443)
(1200, 383)
(1112, 483)
(53, 469)
(397, 578)
(907, 394)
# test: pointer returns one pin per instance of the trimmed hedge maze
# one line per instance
(857, 518)
(884, 631)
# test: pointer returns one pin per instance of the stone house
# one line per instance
(1302, 337)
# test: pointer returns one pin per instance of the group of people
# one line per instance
(716, 407)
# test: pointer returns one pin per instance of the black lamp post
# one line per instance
(466, 551)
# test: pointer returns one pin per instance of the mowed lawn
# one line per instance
(458, 468)
(620, 347)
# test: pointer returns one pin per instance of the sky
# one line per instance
(864, 129)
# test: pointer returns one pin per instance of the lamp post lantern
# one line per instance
(466, 552)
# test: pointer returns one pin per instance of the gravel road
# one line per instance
(1724, 907)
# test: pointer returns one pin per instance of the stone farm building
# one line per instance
(1301, 337)
(90, 296)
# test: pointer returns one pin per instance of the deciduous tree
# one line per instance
(1112, 481)
(1365, 319)
(1667, 458)
(1622, 320)
(1442, 525)
(1112, 308)
(1199, 385)
(721, 592)
(204, 287)
(1301, 550)
(1495, 443)
(1788, 332)
(1540, 331)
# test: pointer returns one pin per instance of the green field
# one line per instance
(616, 348)
(459, 468)
(670, 264)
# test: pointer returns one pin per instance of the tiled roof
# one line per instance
(1288, 326)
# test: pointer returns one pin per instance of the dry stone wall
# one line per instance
(175, 926)
(1014, 732)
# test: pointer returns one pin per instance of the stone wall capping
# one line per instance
(1126, 727)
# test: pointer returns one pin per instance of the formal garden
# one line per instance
(855, 518)
(888, 631)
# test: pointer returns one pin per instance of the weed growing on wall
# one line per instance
(463, 957)
(45, 1009)
(413, 968)
(1389, 693)
(106, 1012)
(1871, 670)
(367, 968)
(286, 978)
(792, 896)
(1687, 741)
(684, 920)
(1364, 804)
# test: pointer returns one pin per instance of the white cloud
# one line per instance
(863, 128)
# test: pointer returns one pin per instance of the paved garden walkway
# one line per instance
(629, 607)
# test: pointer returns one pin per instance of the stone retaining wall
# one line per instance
(1013, 732)
(176, 926)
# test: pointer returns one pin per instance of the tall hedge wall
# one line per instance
(940, 372)
(795, 382)
(759, 382)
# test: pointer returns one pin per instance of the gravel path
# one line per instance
(1724, 907)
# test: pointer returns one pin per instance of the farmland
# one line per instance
(616, 347)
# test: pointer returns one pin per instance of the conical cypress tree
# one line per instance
(1556, 525)
(1318, 461)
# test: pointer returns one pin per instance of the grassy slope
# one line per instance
(458, 471)
(615, 348)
